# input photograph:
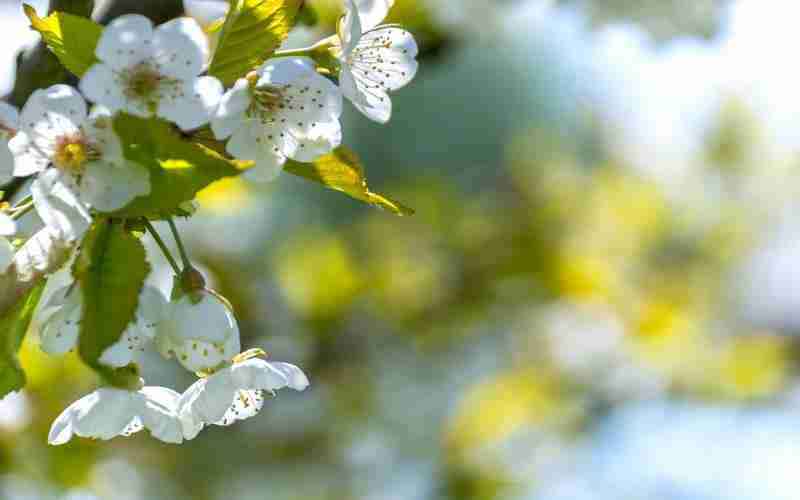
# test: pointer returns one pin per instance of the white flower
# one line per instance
(108, 412)
(9, 122)
(289, 112)
(88, 167)
(235, 393)
(146, 72)
(375, 60)
(60, 323)
(42, 254)
(199, 329)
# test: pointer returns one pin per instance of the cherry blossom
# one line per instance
(148, 71)
(78, 159)
(199, 330)
(235, 392)
(375, 60)
(60, 322)
(109, 412)
(283, 110)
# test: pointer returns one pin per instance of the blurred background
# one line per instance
(597, 299)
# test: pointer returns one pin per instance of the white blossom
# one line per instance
(42, 254)
(235, 393)
(375, 60)
(78, 159)
(154, 72)
(108, 412)
(9, 122)
(60, 323)
(287, 110)
(199, 330)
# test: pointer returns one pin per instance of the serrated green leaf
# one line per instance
(342, 170)
(179, 168)
(253, 30)
(111, 269)
(71, 38)
(13, 326)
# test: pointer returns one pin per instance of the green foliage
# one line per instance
(13, 326)
(71, 38)
(179, 168)
(342, 170)
(253, 30)
(111, 269)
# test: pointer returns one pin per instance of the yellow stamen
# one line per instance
(71, 156)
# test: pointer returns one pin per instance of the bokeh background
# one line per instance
(597, 299)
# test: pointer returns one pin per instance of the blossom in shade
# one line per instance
(199, 330)
(109, 412)
(235, 392)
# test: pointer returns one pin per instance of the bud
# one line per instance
(199, 330)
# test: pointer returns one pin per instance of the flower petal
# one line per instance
(107, 414)
(350, 29)
(101, 85)
(260, 374)
(126, 42)
(194, 106)
(246, 404)
(191, 422)
(229, 115)
(180, 48)
(59, 331)
(28, 159)
(160, 414)
(7, 225)
(372, 12)
(56, 201)
(6, 254)
(215, 397)
(110, 186)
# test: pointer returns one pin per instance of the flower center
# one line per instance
(72, 153)
(268, 99)
(143, 82)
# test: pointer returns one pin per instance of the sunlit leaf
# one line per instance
(342, 170)
(253, 30)
(178, 167)
(111, 269)
(71, 38)
(13, 326)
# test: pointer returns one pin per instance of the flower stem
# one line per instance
(22, 208)
(318, 48)
(306, 51)
(163, 247)
(187, 264)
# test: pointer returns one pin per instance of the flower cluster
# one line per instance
(65, 147)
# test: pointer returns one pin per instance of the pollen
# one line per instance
(143, 82)
(72, 154)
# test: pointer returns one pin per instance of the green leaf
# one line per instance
(13, 326)
(253, 30)
(179, 168)
(342, 170)
(111, 269)
(71, 38)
